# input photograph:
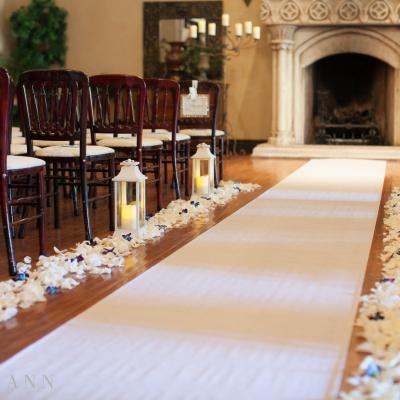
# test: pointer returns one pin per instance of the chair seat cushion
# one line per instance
(72, 151)
(48, 143)
(20, 149)
(166, 137)
(16, 132)
(145, 131)
(18, 140)
(129, 142)
(201, 132)
(101, 136)
(20, 162)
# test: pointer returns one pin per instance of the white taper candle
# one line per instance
(239, 29)
(212, 28)
(225, 19)
(202, 26)
(193, 31)
(248, 27)
(257, 33)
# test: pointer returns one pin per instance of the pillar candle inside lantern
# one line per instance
(128, 216)
(202, 184)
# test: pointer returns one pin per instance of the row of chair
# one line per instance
(120, 116)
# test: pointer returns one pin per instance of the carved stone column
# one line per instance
(282, 43)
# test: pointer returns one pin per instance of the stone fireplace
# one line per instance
(347, 101)
(335, 71)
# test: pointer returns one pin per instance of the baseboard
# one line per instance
(241, 146)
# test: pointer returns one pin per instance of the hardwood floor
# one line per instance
(32, 324)
(374, 267)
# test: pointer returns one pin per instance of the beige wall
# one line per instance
(106, 36)
(249, 76)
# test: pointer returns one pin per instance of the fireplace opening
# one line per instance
(349, 100)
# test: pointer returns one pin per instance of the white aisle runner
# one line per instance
(260, 307)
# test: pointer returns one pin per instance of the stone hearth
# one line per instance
(267, 150)
(302, 32)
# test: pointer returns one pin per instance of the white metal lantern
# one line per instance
(203, 171)
(130, 198)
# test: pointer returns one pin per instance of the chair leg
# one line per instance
(12, 214)
(214, 151)
(85, 201)
(7, 226)
(74, 191)
(187, 168)
(24, 209)
(111, 205)
(221, 158)
(165, 162)
(160, 153)
(48, 202)
(93, 189)
(64, 178)
(181, 162)
(42, 211)
(175, 172)
(56, 195)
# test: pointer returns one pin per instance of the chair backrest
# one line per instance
(53, 106)
(6, 100)
(162, 105)
(117, 105)
(210, 89)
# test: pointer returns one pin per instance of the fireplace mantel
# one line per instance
(332, 12)
(305, 31)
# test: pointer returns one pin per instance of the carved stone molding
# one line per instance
(283, 33)
(318, 10)
(328, 12)
(349, 11)
(379, 10)
(289, 10)
(282, 36)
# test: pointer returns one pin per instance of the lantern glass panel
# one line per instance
(142, 203)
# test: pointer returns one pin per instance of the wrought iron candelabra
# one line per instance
(232, 41)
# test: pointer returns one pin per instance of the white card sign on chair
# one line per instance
(195, 107)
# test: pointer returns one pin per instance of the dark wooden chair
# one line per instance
(18, 172)
(116, 121)
(160, 122)
(204, 129)
(53, 107)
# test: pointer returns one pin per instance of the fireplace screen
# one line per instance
(349, 100)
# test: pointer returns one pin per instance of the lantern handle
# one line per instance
(129, 163)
